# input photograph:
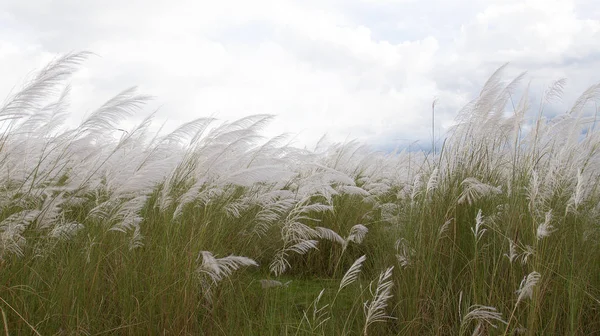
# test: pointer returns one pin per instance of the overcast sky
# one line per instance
(354, 69)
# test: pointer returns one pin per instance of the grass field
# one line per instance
(215, 230)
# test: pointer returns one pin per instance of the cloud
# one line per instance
(365, 69)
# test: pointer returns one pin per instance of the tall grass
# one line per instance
(212, 229)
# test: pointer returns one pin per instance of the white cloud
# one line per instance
(357, 68)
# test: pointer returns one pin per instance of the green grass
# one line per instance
(461, 228)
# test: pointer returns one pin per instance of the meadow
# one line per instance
(213, 229)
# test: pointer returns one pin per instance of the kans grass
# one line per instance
(214, 230)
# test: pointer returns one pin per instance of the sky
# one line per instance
(352, 69)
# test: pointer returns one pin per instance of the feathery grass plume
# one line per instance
(43, 122)
(136, 167)
(527, 284)
(6, 197)
(330, 235)
(376, 188)
(578, 193)
(404, 252)
(122, 215)
(345, 156)
(490, 91)
(303, 208)
(320, 180)
(280, 264)
(352, 273)
(528, 252)
(107, 117)
(357, 234)
(512, 251)
(478, 121)
(444, 228)
(416, 187)
(483, 315)
(303, 247)
(237, 208)
(271, 213)
(507, 92)
(188, 133)
(389, 212)
(272, 148)
(525, 291)
(293, 232)
(137, 239)
(217, 269)
(51, 210)
(65, 231)
(353, 190)
(533, 190)
(478, 231)
(474, 190)
(591, 94)
(253, 122)
(555, 91)
(11, 230)
(137, 178)
(545, 229)
(297, 236)
(192, 194)
(433, 180)
(248, 177)
(375, 309)
(46, 83)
